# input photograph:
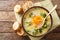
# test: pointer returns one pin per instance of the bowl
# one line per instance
(26, 15)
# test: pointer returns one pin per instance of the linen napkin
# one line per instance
(48, 5)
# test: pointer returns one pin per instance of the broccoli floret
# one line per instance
(40, 30)
(43, 14)
(30, 15)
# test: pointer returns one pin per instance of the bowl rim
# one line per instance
(27, 11)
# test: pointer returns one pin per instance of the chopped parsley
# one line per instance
(30, 15)
(43, 14)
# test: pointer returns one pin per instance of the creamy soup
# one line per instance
(33, 20)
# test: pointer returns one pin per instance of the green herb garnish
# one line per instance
(43, 14)
(34, 32)
(40, 30)
(29, 23)
(45, 25)
(30, 15)
(27, 30)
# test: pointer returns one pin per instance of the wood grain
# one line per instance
(12, 36)
(9, 15)
(52, 36)
(58, 11)
(6, 27)
(9, 4)
(7, 19)
(56, 2)
(4, 15)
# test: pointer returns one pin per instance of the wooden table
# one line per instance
(7, 18)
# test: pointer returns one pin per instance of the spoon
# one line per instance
(51, 11)
(48, 15)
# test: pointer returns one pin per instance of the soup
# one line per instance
(33, 19)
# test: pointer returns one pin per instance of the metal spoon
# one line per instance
(48, 15)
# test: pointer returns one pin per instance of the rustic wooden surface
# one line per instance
(7, 17)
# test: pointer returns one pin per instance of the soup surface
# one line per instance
(33, 20)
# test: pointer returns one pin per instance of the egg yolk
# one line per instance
(37, 20)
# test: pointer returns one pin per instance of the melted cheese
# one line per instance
(37, 20)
